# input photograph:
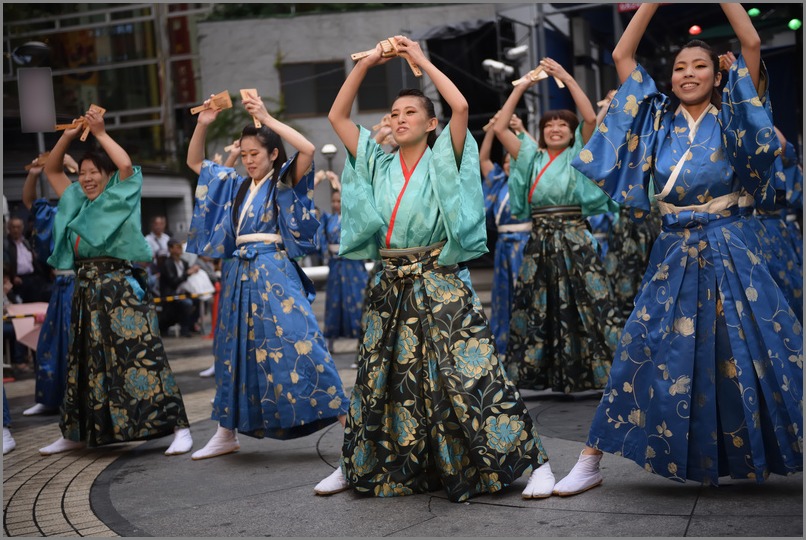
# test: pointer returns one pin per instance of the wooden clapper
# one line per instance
(388, 50)
(82, 122)
(219, 101)
(535, 75)
(247, 93)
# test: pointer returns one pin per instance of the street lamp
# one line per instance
(329, 151)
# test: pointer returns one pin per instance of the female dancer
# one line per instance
(120, 386)
(53, 344)
(274, 375)
(346, 281)
(564, 324)
(513, 233)
(431, 405)
(706, 381)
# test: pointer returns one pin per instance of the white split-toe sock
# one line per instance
(209, 372)
(38, 409)
(9, 443)
(334, 483)
(182, 442)
(225, 441)
(541, 483)
(584, 476)
(61, 445)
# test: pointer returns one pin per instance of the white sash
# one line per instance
(515, 227)
(266, 238)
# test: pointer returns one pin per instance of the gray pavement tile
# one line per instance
(480, 520)
(777, 496)
(753, 525)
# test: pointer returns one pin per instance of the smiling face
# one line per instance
(693, 76)
(557, 134)
(92, 179)
(409, 121)
(255, 157)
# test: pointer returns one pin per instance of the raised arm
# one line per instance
(510, 141)
(340, 111)
(29, 187)
(196, 149)
(486, 147)
(624, 53)
(234, 154)
(116, 153)
(748, 37)
(450, 93)
(605, 105)
(306, 149)
(581, 100)
(54, 165)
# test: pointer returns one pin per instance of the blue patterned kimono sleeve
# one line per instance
(748, 135)
(619, 155)
(521, 177)
(295, 218)
(44, 215)
(460, 199)
(360, 219)
(211, 229)
(490, 188)
(794, 177)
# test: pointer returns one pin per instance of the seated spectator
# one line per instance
(19, 353)
(158, 240)
(28, 274)
(173, 273)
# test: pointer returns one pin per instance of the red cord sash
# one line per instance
(78, 238)
(407, 175)
(537, 179)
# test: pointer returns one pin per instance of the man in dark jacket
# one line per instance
(173, 273)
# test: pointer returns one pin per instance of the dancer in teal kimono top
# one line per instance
(565, 323)
(54, 337)
(274, 375)
(707, 378)
(120, 386)
(431, 406)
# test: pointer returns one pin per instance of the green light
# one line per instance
(754, 12)
(795, 24)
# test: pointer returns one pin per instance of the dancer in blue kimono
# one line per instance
(707, 378)
(431, 407)
(54, 336)
(346, 281)
(274, 375)
(565, 323)
(793, 181)
(9, 443)
(513, 233)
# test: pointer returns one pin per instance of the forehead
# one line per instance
(250, 143)
(692, 54)
(405, 102)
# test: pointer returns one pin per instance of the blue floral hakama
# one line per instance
(54, 337)
(346, 283)
(513, 234)
(274, 375)
(707, 377)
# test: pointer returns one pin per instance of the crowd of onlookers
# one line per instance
(28, 278)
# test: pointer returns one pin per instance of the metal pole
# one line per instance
(43, 183)
(163, 53)
(541, 51)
